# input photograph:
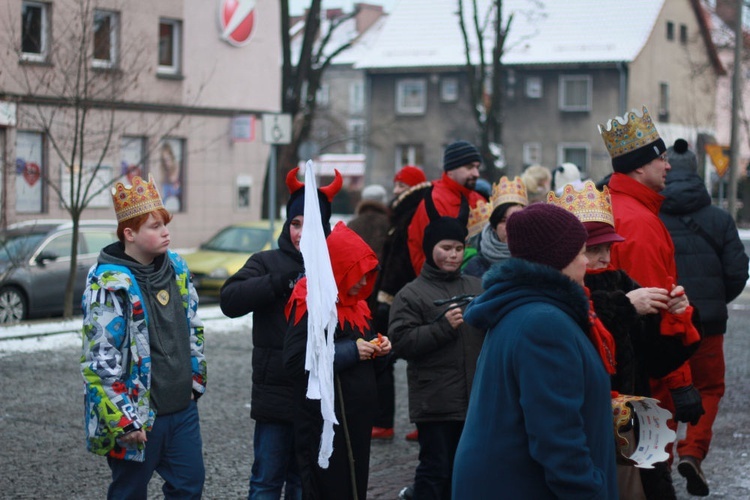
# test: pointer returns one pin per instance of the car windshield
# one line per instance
(14, 247)
(239, 239)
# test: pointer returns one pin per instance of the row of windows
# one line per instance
(36, 38)
(33, 167)
(573, 152)
(575, 92)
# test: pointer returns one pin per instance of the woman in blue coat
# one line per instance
(539, 423)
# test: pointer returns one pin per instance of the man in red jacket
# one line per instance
(640, 168)
(461, 161)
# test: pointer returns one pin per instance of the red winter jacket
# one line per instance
(647, 254)
(446, 194)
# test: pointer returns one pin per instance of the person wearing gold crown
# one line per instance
(629, 312)
(508, 197)
(143, 365)
(640, 168)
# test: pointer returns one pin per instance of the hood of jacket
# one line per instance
(685, 193)
(516, 282)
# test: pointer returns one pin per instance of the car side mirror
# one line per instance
(45, 256)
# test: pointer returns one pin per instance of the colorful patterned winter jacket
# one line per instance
(116, 360)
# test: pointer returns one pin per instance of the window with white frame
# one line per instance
(409, 154)
(105, 39)
(575, 92)
(356, 129)
(449, 89)
(170, 46)
(322, 95)
(532, 153)
(356, 97)
(577, 153)
(533, 87)
(411, 97)
(34, 31)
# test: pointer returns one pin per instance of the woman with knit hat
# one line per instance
(428, 330)
(539, 423)
(631, 314)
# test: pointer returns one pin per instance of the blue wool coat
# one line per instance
(539, 423)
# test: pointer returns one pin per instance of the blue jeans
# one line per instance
(174, 450)
(275, 464)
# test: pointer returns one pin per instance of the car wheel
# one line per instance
(13, 306)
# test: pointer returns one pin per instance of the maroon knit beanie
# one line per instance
(545, 234)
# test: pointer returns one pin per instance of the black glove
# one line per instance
(687, 404)
(283, 283)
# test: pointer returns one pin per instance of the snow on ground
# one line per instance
(56, 333)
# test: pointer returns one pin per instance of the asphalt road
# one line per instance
(43, 454)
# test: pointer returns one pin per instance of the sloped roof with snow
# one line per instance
(426, 33)
(344, 33)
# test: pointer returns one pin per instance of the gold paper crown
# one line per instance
(625, 134)
(478, 217)
(509, 191)
(142, 198)
(588, 204)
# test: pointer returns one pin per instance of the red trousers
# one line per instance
(707, 372)
(707, 366)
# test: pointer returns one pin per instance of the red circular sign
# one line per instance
(237, 20)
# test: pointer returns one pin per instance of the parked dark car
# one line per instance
(35, 263)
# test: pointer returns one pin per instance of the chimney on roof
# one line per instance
(367, 14)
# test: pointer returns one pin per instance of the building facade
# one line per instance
(175, 89)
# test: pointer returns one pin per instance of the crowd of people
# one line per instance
(521, 309)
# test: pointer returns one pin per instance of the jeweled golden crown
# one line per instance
(625, 134)
(509, 191)
(588, 203)
(140, 198)
(478, 217)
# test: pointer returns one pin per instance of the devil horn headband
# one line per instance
(329, 191)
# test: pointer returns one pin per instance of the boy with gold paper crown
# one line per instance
(142, 363)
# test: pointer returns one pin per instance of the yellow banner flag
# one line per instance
(719, 157)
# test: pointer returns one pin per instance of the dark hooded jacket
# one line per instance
(539, 423)
(711, 278)
(262, 287)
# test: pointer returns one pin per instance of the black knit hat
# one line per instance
(545, 234)
(680, 157)
(460, 153)
(443, 227)
(639, 157)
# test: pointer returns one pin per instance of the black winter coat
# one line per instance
(263, 287)
(642, 352)
(711, 279)
(441, 360)
(396, 269)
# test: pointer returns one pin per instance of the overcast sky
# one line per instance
(298, 6)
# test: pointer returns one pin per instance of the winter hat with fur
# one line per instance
(545, 234)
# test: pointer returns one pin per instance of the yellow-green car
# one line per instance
(227, 251)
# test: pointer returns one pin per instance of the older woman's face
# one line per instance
(502, 234)
(599, 255)
(576, 270)
(448, 255)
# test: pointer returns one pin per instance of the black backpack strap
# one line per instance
(697, 229)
